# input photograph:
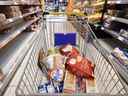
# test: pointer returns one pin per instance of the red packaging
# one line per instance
(80, 66)
(69, 50)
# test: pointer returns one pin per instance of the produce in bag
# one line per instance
(69, 50)
(80, 66)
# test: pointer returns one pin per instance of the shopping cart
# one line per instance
(108, 80)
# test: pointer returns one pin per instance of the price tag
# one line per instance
(120, 38)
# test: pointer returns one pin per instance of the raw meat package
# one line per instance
(80, 66)
(69, 50)
(90, 86)
(69, 82)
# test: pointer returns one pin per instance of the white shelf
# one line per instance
(118, 2)
(8, 36)
(116, 35)
(122, 20)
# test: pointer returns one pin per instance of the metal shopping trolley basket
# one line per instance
(108, 79)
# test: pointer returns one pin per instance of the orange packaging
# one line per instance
(80, 66)
(69, 83)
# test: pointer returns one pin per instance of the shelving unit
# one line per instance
(11, 21)
(122, 20)
(17, 38)
(116, 35)
(12, 3)
(118, 2)
(6, 38)
(106, 49)
(107, 45)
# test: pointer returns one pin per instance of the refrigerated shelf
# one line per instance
(8, 36)
(106, 46)
(122, 20)
(116, 35)
(118, 2)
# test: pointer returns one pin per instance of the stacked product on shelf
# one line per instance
(121, 54)
(94, 10)
(68, 71)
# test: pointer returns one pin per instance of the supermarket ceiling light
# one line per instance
(113, 18)
(15, 3)
(61, 0)
(102, 28)
(118, 2)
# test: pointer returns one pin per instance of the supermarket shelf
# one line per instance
(98, 4)
(118, 2)
(116, 35)
(12, 3)
(12, 55)
(106, 48)
(122, 20)
(11, 21)
(8, 36)
(6, 2)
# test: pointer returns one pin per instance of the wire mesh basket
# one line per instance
(108, 80)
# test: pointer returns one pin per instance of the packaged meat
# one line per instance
(69, 50)
(69, 82)
(80, 66)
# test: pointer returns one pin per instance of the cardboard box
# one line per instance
(90, 85)
(69, 83)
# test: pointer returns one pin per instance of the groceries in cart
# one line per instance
(67, 70)
(80, 66)
(69, 50)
